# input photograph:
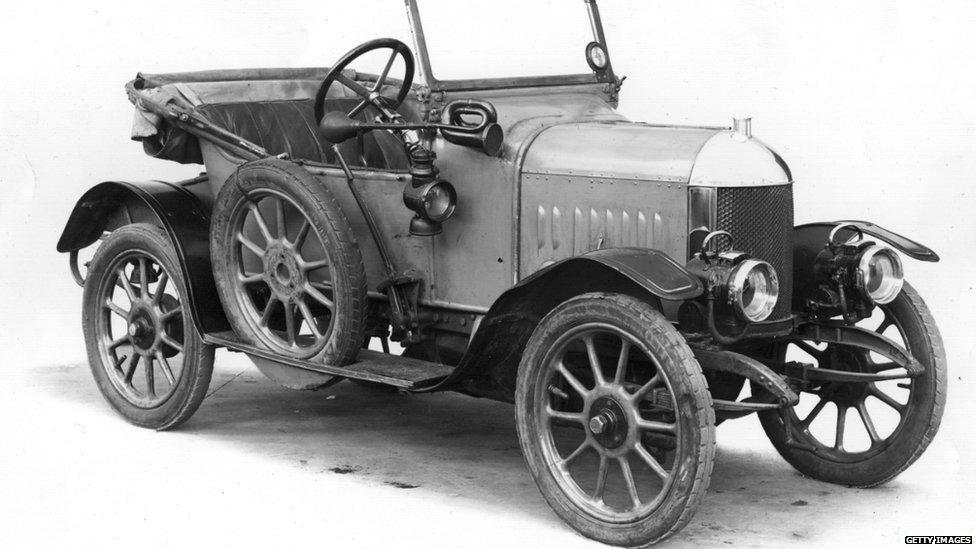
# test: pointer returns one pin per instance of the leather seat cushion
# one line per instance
(288, 126)
(278, 126)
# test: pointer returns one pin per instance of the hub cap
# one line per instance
(283, 273)
(604, 403)
(608, 422)
(142, 327)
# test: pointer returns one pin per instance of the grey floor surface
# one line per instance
(357, 467)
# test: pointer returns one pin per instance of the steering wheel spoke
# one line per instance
(358, 108)
(386, 71)
(356, 87)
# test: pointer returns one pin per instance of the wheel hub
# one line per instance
(142, 329)
(849, 393)
(608, 423)
(844, 394)
(283, 273)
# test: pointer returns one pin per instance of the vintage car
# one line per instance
(521, 240)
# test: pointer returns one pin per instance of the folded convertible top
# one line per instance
(154, 94)
(145, 80)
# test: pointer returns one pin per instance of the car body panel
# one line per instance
(602, 184)
(475, 258)
(488, 366)
(618, 149)
(564, 216)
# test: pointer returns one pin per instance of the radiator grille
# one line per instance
(761, 221)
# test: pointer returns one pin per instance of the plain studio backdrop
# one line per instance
(870, 103)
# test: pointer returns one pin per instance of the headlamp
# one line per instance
(873, 271)
(879, 274)
(749, 286)
(753, 289)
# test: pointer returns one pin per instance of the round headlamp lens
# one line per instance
(439, 201)
(881, 274)
(754, 289)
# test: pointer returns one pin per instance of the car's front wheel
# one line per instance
(866, 433)
(615, 419)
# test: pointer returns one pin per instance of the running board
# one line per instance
(398, 371)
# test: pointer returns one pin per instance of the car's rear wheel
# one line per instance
(286, 264)
(145, 354)
(615, 419)
(864, 434)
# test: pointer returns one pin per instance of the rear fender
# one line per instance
(490, 364)
(183, 214)
(810, 239)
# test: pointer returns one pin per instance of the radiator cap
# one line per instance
(742, 127)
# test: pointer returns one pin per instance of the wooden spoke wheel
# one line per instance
(615, 419)
(287, 268)
(865, 433)
(146, 356)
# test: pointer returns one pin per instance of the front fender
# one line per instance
(184, 216)
(814, 235)
(811, 238)
(652, 270)
(491, 361)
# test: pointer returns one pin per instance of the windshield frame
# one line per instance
(427, 77)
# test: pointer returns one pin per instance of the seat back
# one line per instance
(288, 126)
(278, 126)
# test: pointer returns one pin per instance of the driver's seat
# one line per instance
(288, 126)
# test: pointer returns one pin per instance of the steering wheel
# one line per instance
(370, 96)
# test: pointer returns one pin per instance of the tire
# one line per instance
(304, 297)
(163, 325)
(678, 400)
(923, 409)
